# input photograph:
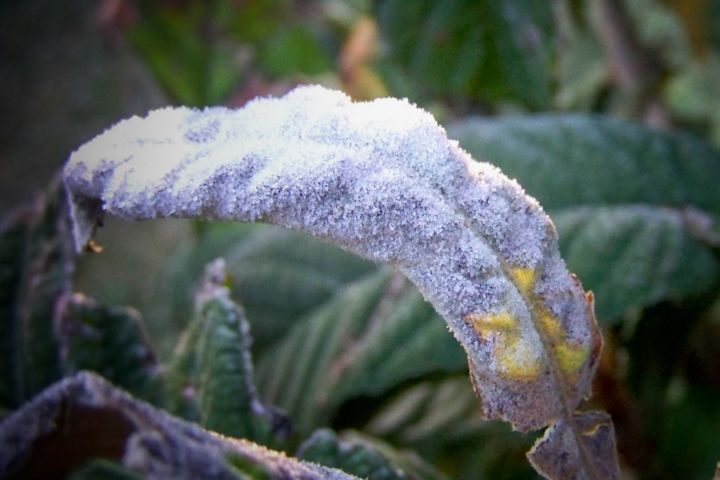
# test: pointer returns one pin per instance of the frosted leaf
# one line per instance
(380, 179)
(83, 417)
(558, 454)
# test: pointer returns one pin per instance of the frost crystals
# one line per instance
(382, 180)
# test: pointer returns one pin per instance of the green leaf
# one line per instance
(581, 72)
(290, 285)
(442, 421)
(110, 341)
(634, 207)
(212, 376)
(374, 334)
(180, 388)
(278, 275)
(634, 256)
(35, 270)
(478, 49)
(364, 457)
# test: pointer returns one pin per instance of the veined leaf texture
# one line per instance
(382, 180)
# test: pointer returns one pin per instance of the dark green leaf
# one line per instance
(371, 336)
(634, 256)
(278, 275)
(634, 207)
(571, 160)
(181, 394)
(364, 457)
(111, 341)
(83, 418)
(212, 376)
(35, 269)
(293, 51)
(294, 288)
(442, 421)
(693, 94)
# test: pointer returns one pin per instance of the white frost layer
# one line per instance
(378, 178)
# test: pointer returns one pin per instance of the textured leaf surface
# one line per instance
(477, 48)
(633, 206)
(442, 421)
(364, 457)
(83, 418)
(292, 286)
(372, 335)
(111, 341)
(560, 455)
(35, 269)
(277, 275)
(382, 180)
(211, 379)
(635, 256)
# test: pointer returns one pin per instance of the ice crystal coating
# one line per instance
(382, 180)
(83, 417)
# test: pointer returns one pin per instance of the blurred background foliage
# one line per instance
(607, 111)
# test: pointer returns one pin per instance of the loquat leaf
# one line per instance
(382, 180)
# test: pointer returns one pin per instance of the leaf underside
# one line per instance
(382, 180)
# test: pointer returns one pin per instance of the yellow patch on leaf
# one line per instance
(550, 325)
(571, 357)
(511, 357)
(524, 278)
(510, 366)
(484, 324)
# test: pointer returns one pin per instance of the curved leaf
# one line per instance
(382, 180)
(277, 275)
(211, 378)
(633, 206)
(372, 335)
(364, 457)
(110, 341)
(287, 284)
(635, 255)
(83, 418)
(442, 421)
(35, 272)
